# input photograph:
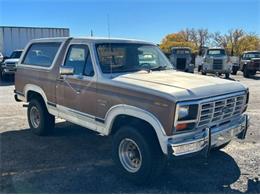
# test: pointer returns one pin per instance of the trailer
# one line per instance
(13, 38)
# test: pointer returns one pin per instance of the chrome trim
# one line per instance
(200, 102)
(211, 137)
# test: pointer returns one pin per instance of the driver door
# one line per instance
(76, 94)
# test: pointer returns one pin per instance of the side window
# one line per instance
(78, 57)
(41, 54)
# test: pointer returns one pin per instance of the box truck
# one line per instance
(14, 38)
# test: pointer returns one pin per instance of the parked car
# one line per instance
(9, 65)
(181, 58)
(235, 64)
(250, 63)
(151, 111)
(216, 61)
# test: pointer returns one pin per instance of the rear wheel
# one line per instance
(227, 75)
(137, 154)
(203, 73)
(40, 121)
(234, 70)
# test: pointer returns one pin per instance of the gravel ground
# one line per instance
(75, 160)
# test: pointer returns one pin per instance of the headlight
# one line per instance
(183, 112)
(208, 60)
(186, 117)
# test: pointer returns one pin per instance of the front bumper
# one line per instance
(201, 142)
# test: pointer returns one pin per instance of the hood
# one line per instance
(179, 85)
(12, 60)
(255, 59)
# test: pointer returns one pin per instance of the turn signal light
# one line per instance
(181, 126)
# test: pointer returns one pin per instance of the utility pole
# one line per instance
(91, 33)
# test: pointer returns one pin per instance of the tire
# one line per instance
(148, 150)
(227, 75)
(40, 121)
(234, 71)
(246, 72)
(220, 147)
(253, 72)
(203, 73)
(199, 68)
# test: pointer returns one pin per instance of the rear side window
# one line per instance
(41, 54)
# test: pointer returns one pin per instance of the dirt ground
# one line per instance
(75, 160)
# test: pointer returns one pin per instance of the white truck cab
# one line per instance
(216, 61)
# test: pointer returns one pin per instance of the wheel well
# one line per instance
(123, 120)
(34, 95)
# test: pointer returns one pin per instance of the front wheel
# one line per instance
(246, 73)
(40, 121)
(137, 154)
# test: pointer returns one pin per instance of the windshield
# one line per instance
(215, 52)
(252, 55)
(130, 57)
(181, 51)
(16, 54)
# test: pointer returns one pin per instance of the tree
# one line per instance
(220, 40)
(180, 39)
(233, 38)
(248, 43)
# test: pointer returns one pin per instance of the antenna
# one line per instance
(110, 49)
(108, 26)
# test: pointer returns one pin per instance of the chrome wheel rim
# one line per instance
(130, 155)
(35, 117)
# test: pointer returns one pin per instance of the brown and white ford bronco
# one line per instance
(129, 90)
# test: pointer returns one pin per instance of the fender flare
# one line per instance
(123, 109)
(37, 89)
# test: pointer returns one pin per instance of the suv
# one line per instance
(250, 63)
(216, 61)
(9, 65)
(151, 110)
(181, 59)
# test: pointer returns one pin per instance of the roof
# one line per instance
(215, 48)
(181, 48)
(96, 40)
(254, 51)
(36, 27)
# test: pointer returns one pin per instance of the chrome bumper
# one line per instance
(203, 141)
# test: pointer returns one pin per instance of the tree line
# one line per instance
(235, 41)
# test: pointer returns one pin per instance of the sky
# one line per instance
(149, 20)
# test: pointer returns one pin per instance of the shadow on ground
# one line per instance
(74, 160)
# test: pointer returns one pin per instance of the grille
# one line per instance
(181, 63)
(257, 63)
(219, 110)
(217, 64)
(10, 64)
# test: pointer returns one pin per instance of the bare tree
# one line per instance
(220, 40)
(186, 33)
(233, 38)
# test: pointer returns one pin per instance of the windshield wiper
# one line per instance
(159, 68)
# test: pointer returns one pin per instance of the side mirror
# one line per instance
(66, 71)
